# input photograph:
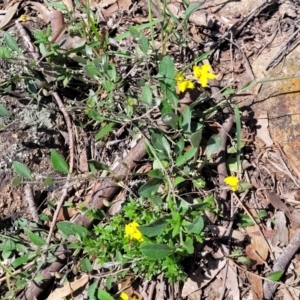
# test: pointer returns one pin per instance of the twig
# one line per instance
(31, 205)
(71, 165)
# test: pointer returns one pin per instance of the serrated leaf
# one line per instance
(156, 228)
(4, 112)
(156, 251)
(37, 240)
(21, 169)
(58, 163)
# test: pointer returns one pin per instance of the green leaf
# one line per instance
(103, 295)
(48, 181)
(244, 186)
(147, 96)
(170, 119)
(182, 159)
(21, 169)
(68, 228)
(143, 43)
(109, 281)
(156, 251)
(138, 27)
(156, 173)
(190, 10)
(104, 131)
(11, 42)
(275, 276)
(186, 119)
(213, 145)
(4, 112)
(92, 290)
(97, 165)
(156, 228)
(233, 165)
(16, 181)
(58, 163)
(38, 278)
(161, 144)
(150, 188)
(37, 240)
(197, 226)
(85, 265)
(189, 245)
(4, 52)
(228, 91)
(199, 182)
(244, 260)
(9, 245)
(196, 138)
(233, 149)
(58, 5)
(20, 261)
(178, 180)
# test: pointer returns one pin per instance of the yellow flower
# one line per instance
(232, 182)
(124, 296)
(24, 18)
(132, 232)
(202, 74)
(182, 83)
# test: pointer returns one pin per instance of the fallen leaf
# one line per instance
(281, 237)
(44, 12)
(124, 4)
(262, 131)
(256, 287)
(258, 249)
(69, 288)
(10, 12)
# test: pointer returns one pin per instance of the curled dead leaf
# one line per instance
(10, 12)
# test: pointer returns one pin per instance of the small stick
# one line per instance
(31, 204)
(71, 165)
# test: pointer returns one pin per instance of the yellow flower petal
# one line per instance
(124, 296)
(182, 83)
(232, 182)
(132, 232)
(202, 74)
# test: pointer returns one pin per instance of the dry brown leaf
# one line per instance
(10, 12)
(125, 287)
(256, 287)
(44, 12)
(258, 249)
(124, 4)
(281, 237)
(262, 131)
(232, 281)
(110, 10)
(191, 287)
(68, 288)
